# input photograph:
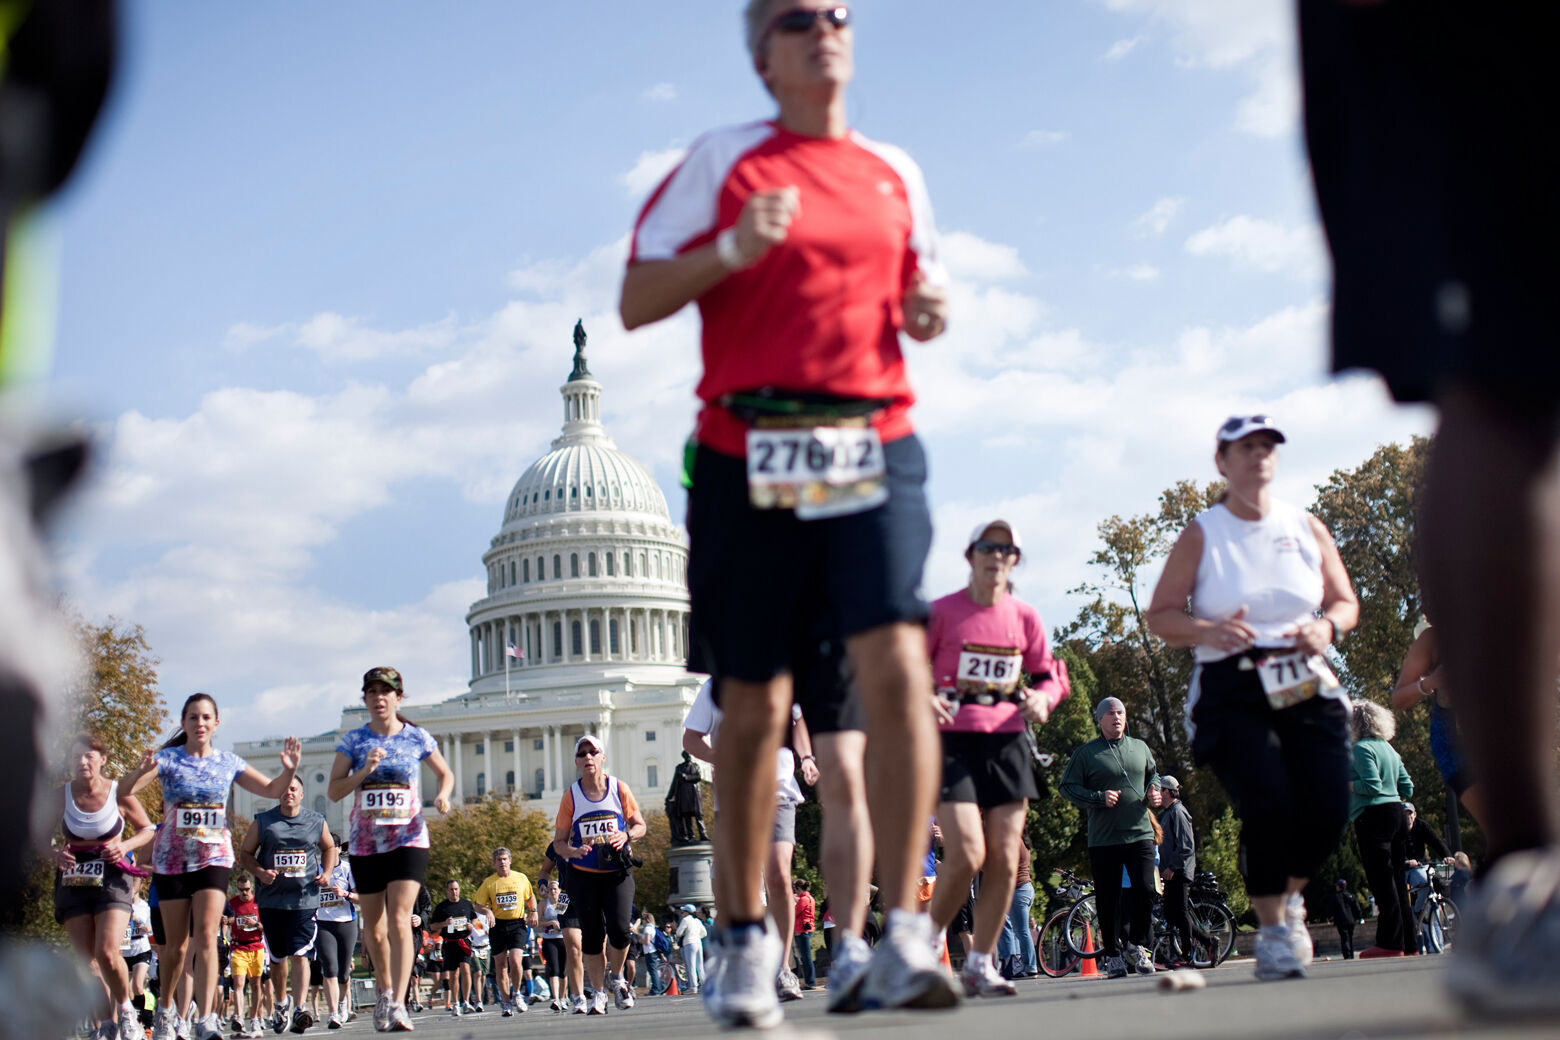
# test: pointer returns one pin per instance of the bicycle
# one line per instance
(1210, 915)
(1053, 952)
(1437, 916)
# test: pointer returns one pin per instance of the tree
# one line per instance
(117, 699)
(461, 844)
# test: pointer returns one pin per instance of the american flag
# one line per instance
(515, 651)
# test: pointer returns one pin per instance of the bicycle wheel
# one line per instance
(1083, 928)
(1446, 919)
(1218, 923)
(1055, 956)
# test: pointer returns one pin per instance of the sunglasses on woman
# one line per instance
(586, 752)
(802, 19)
(1000, 548)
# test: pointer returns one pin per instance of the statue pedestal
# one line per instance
(690, 874)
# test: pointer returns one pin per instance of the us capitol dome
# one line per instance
(584, 629)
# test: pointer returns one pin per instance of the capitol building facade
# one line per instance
(586, 581)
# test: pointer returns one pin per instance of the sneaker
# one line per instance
(1115, 967)
(382, 1013)
(598, 1002)
(1507, 950)
(281, 1017)
(520, 1004)
(788, 986)
(622, 994)
(504, 1010)
(129, 1025)
(184, 1028)
(400, 1021)
(904, 972)
(981, 978)
(455, 1010)
(1299, 934)
(1138, 960)
(209, 1028)
(579, 1007)
(334, 1021)
(473, 1007)
(235, 1025)
(740, 989)
(1276, 955)
(301, 1020)
(846, 973)
(556, 1005)
(162, 1024)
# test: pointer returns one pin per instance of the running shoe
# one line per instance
(1276, 955)
(1506, 958)
(981, 978)
(473, 1007)
(282, 1016)
(104, 1030)
(788, 986)
(519, 1004)
(209, 1028)
(301, 1020)
(556, 1005)
(235, 1025)
(382, 1013)
(455, 1010)
(400, 1021)
(740, 989)
(504, 1010)
(334, 1021)
(598, 1002)
(1299, 934)
(904, 972)
(184, 1027)
(846, 974)
(1138, 959)
(1115, 967)
(622, 995)
(580, 1007)
(162, 1024)
(129, 1025)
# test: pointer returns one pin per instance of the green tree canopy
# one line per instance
(461, 844)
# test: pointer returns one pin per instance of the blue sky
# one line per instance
(321, 266)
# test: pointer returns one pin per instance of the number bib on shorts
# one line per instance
(455, 924)
(86, 873)
(507, 900)
(205, 822)
(1288, 679)
(291, 863)
(598, 829)
(388, 805)
(990, 673)
(819, 472)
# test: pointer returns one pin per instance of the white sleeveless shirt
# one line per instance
(93, 826)
(1272, 567)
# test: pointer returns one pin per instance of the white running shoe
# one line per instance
(504, 1010)
(846, 974)
(455, 1010)
(1275, 955)
(580, 1006)
(256, 1027)
(130, 1025)
(519, 1004)
(1506, 952)
(184, 1028)
(981, 978)
(334, 1021)
(1299, 934)
(162, 1023)
(382, 1012)
(904, 972)
(622, 994)
(788, 986)
(209, 1028)
(740, 990)
(598, 1002)
(400, 1021)
(1138, 959)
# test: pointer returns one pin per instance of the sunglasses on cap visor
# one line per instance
(802, 19)
(1235, 422)
(1000, 548)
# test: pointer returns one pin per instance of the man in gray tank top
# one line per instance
(289, 851)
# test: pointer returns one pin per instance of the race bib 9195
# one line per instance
(387, 805)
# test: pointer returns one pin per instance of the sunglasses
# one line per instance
(802, 19)
(1235, 422)
(1000, 548)
(586, 752)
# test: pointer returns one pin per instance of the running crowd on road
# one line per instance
(810, 250)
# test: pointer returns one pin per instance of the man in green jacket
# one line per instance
(1114, 779)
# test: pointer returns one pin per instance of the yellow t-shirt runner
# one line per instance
(505, 896)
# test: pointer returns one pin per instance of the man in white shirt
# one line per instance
(690, 936)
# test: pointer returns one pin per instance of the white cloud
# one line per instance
(971, 257)
(649, 169)
(243, 335)
(1253, 37)
(1042, 138)
(1263, 245)
(1136, 272)
(342, 338)
(1121, 48)
(659, 92)
(1159, 215)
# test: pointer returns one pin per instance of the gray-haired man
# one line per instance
(1177, 864)
(1114, 778)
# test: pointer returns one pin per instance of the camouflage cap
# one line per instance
(389, 676)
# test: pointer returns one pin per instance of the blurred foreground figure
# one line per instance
(1431, 128)
(56, 59)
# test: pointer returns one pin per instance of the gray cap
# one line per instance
(1169, 783)
(1108, 704)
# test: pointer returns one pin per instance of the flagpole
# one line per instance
(506, 673)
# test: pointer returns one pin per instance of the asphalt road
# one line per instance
(1348, 1000)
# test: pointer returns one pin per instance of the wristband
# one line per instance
(809, 758)
(1334, 625)
(730, 253)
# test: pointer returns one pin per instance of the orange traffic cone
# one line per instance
(1089, 968)
(671, 987)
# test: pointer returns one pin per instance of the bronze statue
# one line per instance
(685, 803)
(581, 369)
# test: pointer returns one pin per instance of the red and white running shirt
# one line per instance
(820, 312)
